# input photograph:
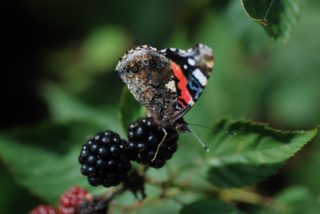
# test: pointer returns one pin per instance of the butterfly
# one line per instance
(167, 82)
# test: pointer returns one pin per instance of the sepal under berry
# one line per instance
(96, 205)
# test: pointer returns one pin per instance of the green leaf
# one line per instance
(46, 171)
(278, 17)
(98, 53)
(64, 107)
(103, 48)
(294, 200)
(207, 206)
(297, 199)
(129, 109)
(159, 207)
(244, 153)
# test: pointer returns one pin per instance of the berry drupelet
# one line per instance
(70, 200)
(43, 209)
(104, 159)
(144, 138)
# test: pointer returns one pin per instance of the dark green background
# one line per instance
(76, 45)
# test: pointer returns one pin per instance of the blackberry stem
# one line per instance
(231, 195)
(110, 195)
(239, 195)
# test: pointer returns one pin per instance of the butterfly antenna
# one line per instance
(199, 140)
(207, 127)
(160, 144)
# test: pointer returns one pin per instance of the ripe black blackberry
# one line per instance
(144, 138)
(104, 159)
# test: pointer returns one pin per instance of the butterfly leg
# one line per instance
(182, 112)
(160, 144)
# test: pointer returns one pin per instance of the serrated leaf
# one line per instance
(209, 206)
(46, 172)
(278, 17)
(129, 109)
(243, 153)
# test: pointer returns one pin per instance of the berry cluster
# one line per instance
(104, 159)
(151, 144)
(44, 209)
(70, 202)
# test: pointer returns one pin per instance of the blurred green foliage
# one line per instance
(277, 17)
(254, 77)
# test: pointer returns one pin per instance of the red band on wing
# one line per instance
(182, 84)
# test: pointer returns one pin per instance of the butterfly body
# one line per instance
(166, 82)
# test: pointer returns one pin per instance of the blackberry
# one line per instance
(70, 199)
(144, 138)
(104, 159)
(43, 209)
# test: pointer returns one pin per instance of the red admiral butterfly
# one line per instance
(167, 82)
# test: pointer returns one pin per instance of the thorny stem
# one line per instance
(231, 195)
(171, 189)
(183, 186)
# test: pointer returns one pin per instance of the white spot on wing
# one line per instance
(191, 62)
(171, 86)
(185, 67)
(200, 77)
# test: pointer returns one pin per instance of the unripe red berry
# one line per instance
(71, 198)
(43, 209)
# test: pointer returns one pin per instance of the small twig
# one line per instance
(236, 195)
(171, 189)
(110, 195)
(242, 195)
(144, 170)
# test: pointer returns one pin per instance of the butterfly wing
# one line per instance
(191, 69)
